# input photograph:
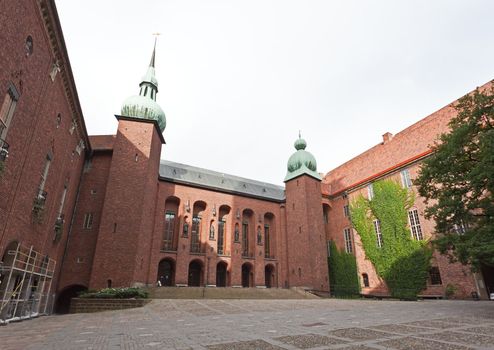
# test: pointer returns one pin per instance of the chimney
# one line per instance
(387, 137)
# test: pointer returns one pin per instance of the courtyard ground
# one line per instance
(265, 324)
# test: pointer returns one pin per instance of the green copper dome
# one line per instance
(144, 105)
(301, 162)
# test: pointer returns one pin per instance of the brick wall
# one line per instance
(35, 130)
(81, 305)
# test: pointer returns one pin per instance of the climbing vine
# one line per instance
(343, 278)
(401, 261)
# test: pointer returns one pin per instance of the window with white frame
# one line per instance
(7, 109)
(88, 221)
(379, 235)
(461, 228)
(348, 240)
(406, 181)
(370, 191)
(416, 229)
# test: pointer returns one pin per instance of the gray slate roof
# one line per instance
(204, 178)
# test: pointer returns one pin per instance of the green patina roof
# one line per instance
(144, 105)
(301, 162)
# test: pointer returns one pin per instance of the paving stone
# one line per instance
(307, 341)
(356, 347)
(359, 334)
(464, 338)
(480, 330)
(434, 324)
(251, 324)
(245, 345)
(401, 328)
(410, 343)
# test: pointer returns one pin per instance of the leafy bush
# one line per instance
(343, 277)
(450, 291)
(401, 261)
(116, 293)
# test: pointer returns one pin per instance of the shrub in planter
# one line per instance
(116, 293)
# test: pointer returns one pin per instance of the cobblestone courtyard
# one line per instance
(265, 324)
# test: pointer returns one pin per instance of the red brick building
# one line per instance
(79, 211)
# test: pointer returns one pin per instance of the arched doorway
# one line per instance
(166, 272)
(62, 305)
(269, 275)
(221, 274)
(247, 275)
(195, 273)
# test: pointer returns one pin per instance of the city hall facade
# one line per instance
(86, 212)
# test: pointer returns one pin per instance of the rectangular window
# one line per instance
(416, 230)
(245, 239)
(267, 248)
(88, 221)
(7, 110)
(348, 240)
(195, 236)
(62, 201)
(461, 228)
(346, 211)
(406, 181)
(221, 237)
(169, 231)
(435, 276)
(379, 235)
(44, 176)
(370, 191)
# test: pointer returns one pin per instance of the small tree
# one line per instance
(399, 259)
(457, 182)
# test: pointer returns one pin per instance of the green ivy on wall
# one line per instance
(401, 261)
(343, 277)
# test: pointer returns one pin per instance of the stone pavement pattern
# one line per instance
(265, 325)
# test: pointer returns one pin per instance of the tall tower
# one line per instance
(124, 238)
(305, 240)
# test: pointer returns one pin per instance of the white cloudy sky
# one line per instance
(238, 79)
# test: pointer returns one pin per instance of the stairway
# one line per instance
(227, 293)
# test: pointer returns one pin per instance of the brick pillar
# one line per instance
(305, 239)
(127, 219)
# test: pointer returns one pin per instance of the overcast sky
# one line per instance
(238, 79)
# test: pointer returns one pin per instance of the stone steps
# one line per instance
(227, 293)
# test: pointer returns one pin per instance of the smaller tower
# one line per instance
(124, 238)
(305, 240)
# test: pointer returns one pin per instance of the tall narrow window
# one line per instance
(221, 236)
(267, 242)
(346, 211)
(7, 110)
(169, 231)
(44, 176)
(413, 217)
(245, 239)
(195, 235)
(62, 201)
(88, 221)
(370, 191)
(379, 235)
(348, 240)
(365, 278)
(406, 181)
